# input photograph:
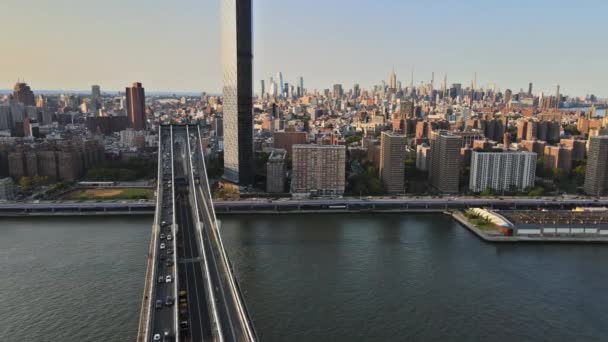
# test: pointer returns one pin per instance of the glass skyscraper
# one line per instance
(238, 91)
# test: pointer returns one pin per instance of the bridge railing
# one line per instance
(174, 228)
(146, 306)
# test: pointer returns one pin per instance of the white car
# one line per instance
(162, 246)
(168, 279)
(169, 237)
(156, 337)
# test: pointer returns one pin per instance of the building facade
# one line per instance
(239, 165)
(392, 162)
(502, 171)
(7, 189)
(136, 106)
(444, 167)
(275, 172)
(596, 177)
(319, 169)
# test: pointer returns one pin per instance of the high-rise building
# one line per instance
(281, 83)
(596, 177)
(338, 91)
(392, 80)
(239, 165)
(558, 157)
(7, 189)
(136, 106)
(502, 171)
(286, 140)
(444, 167)
(95, 92)
(262, 89)
(422, 157)
(301, 92)
(22, 93)
(95, 99)
(530, 89)
(275, 172)
(392, 162)
(319, 169)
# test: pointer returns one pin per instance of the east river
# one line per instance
(311, 278)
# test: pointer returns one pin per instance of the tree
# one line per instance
(25, 183)
(39, 181)
(536, 192)
(487, 192)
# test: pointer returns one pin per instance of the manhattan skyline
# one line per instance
(174, 49)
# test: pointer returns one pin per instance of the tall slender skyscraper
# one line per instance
(136, 106)
(392, 80)
(238, 108)
(281, 84)
(263, 88)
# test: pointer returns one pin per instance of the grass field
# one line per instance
(110, 194)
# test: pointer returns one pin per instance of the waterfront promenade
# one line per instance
(303, 206)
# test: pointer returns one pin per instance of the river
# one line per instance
(311, 278)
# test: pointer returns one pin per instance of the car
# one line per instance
(183, 325)
(162, 236)
(167, 337)
(159, 304)
(168, 279)
(162, 245)
(169, 301)
(170, 250)
(161, 279)
(169, 263)
(169, 237)
(163, 256)
(156, 337)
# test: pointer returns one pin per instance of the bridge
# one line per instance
(190, 292)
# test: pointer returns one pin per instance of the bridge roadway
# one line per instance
(159, 312)
(235, 322)
(207, 298)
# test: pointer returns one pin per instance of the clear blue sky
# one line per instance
(174, 45)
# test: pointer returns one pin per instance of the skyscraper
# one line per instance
(23, 94)
(281, 83)
(95, 98)
(392, 80)
(530, 89)
(338, 92)
(392, 162)
(596, 178)
(301, 92)
(136, 106)
(263, 88)
(95, 92)
(238, 108)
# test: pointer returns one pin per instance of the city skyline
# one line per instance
(546, 43)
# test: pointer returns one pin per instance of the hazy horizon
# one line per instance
(174, 46)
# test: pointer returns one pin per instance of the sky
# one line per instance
(175, 45)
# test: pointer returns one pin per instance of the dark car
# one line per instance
(159, 304)
(169, 301)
